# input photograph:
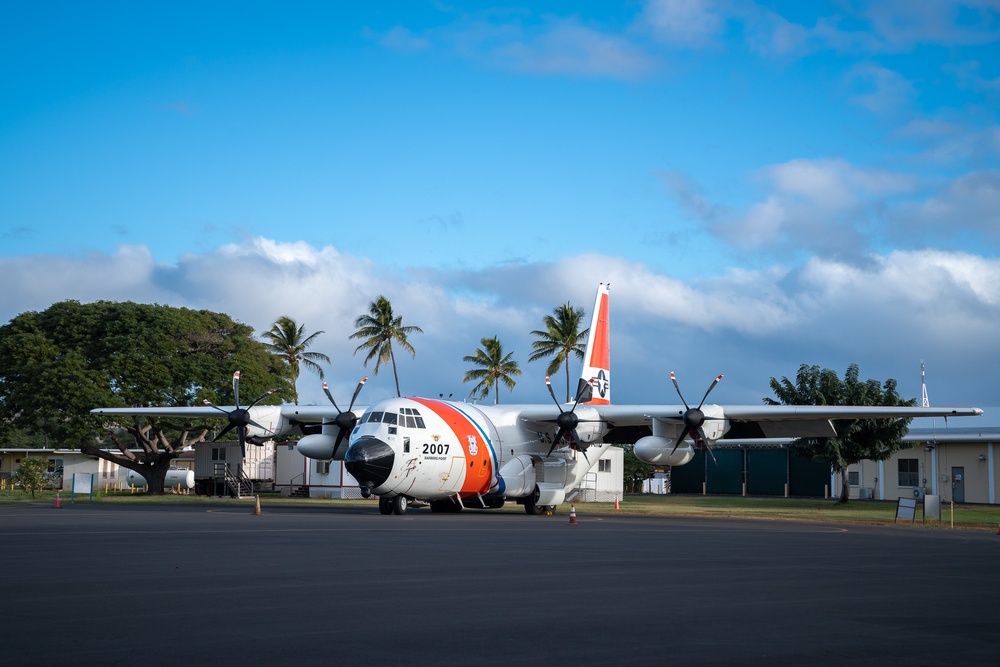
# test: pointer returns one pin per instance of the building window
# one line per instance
(604, 465)
(852, 478)
(323, 467)
(909, 472)
(55, 467)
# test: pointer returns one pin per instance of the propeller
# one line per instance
(240, 417)
(345, 419)
(694, 418)
(567, 421)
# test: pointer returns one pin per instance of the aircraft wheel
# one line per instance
(384, 506)
(398, 504)
(531, 505)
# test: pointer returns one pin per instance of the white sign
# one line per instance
(906, 509)
(83, 482)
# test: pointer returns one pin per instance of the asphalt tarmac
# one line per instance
(171, 585)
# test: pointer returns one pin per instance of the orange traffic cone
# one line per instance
(572, 515)
(616, 502)
(256, 509)
(58, 503)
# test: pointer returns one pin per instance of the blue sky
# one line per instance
(764, 184)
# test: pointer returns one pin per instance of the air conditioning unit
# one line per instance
(866, 493)
(918, 493)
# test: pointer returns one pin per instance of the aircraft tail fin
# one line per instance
(597, 359)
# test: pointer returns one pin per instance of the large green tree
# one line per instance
(288, 340)
(378, 329)
(493, 367)
(856, 439)
(560, 339)
(58, 364)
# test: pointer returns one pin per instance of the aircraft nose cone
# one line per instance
(369, 460)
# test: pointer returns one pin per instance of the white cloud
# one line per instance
(970, 202)
(750, 324)
(826, 206)
(902, 24)
(566, 47)
(36, 282)
(400, 38)
(685, 23)
(879, 89)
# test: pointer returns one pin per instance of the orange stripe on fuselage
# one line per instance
(478, 466)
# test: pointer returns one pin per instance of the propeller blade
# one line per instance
(567, 419)
(340, 439)
(239, 418)
(582, 387)
(212, 405)
(229, 427)
(326, 390)
(693, 418)
(673, 378)
(710, 388)
(236, 387)
(555, 400)
(704, 444)
(345, 420)
(253, 423)
(260, 398)
(357, 390)
(680, 439)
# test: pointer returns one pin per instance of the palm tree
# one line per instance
(289, 341)
(494, 367)
(561, 339)
(379, 328)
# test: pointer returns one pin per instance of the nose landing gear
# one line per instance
(395, 505)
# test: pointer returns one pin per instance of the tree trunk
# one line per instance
(845, 490)
(154, 472)
(395, 375)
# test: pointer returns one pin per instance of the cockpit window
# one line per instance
(389, 418)
(410, 418)
(373, 417)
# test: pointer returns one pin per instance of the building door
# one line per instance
(958, 485)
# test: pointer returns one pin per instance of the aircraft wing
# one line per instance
(307, 414)
(769, 421)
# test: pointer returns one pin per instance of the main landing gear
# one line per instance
(395, 505)
(531, 505)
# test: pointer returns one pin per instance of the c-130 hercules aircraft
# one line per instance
(454, 455)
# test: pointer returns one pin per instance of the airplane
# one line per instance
(453, 455)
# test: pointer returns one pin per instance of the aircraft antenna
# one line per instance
(924, 401)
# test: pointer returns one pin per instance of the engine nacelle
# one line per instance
(656, 450)
(591, 428)
(518, 476)
(320, 446)
(716, 425)
(268, 416)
